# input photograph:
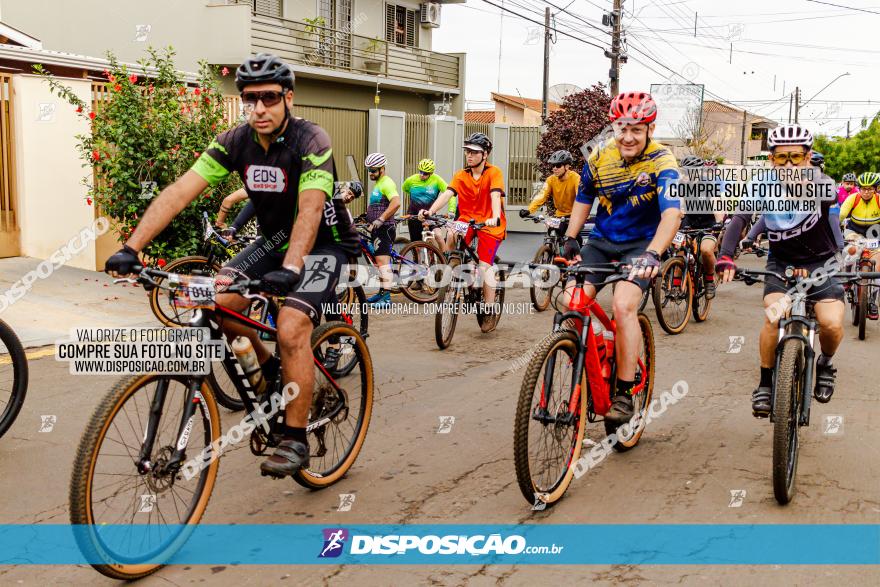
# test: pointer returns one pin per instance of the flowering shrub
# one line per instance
(582, 116)
(146, 134)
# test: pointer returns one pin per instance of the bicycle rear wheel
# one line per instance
(500, 279)
(628, 436)
(547, 440)
(126, 520)
(167, 313)
(701, 302)
(787, 393)
(449, 296)
(13, 377)
(862, 293)
(673, 295)
(341, 406)
(419, 258)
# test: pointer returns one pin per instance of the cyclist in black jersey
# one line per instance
(806, 242)
(287, 168)
(705, 220)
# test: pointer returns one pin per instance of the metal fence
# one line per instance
(472, 127)
(8, 220)
(416, 147)
(522, 168)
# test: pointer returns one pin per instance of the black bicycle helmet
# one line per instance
(817, 159)
(479, 141)
(264, 68)
(561, 157)
(691, 161)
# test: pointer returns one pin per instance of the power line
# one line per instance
(847, 7)
(505, 9)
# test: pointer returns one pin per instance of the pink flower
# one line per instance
(224, 71)
(133, 78)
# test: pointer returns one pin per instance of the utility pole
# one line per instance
(742, 156)
(790, 103)
(613, 20)
(695, 24)
(847, 129)
(797, 103)
(546, 64)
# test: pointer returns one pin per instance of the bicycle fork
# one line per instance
(795, 328)
(193, 399)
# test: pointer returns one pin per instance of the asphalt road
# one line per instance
(684, 470)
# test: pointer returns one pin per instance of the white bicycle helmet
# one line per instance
(375, 160)
(790, 134)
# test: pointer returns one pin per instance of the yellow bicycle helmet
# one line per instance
(426, 166)
(869, 178)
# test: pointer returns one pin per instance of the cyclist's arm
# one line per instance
(847, 206)
(834, 219)
(732, 234)
(227, 204)
(496, 196)
(441, 200)
(315, 190)
(165, 207)
(393, 207)
(579, 214)
(245, 216)
(583, 201)
(539, 200)
(759, 227)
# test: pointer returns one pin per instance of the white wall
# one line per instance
(387, 130)
(49, 172)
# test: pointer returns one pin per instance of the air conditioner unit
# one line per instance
(429, 14)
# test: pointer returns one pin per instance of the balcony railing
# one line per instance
(324, 47)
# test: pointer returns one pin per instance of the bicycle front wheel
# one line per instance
(547, 438)
(449, 296)
(419, 258)
(863, 309)
(673, 295)
(129, 517)
(13, 377)
(541, 295)
(341, 405)
(787, 393)
(701, 303)
(167, 313)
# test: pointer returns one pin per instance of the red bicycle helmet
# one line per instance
(633, 108)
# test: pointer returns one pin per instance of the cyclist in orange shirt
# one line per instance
(480, 189)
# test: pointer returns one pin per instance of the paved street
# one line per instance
(683, 471)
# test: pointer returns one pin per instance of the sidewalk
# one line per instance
(69, 298)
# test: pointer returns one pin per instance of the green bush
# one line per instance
(857, 154)
(149, 130)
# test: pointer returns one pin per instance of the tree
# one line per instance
(582, 117)
(144, 135)
(857, 154)
(696, 135)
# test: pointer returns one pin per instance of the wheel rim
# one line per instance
(542, 295)
(791, 465)
(453, 296)
(169, 312)
(675, 295)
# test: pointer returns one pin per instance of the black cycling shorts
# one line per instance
(320, 274)
(383, 239)
(598, 251)
(832, 289)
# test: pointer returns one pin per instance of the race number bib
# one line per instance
(872, 244)
(679, 239)
(191, 291)
(459, 227)
(553, 222)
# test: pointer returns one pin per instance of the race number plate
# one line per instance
(872, 244)
(459, 227)
(679, 239)
(191, 291)
(553, 222)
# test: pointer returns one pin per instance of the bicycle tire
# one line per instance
(159, 304)
(646, 295)
(787, 391)
(320, 479)
(426, 294)
(501, 278)
(540, 296)
(854, 307)
(662, 297)
(701, 302)
(566, 341)
(863, 309)
(18, 360)
(455, 288)
(627, 441)
(82, 514)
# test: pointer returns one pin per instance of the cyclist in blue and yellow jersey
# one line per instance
(630, 175)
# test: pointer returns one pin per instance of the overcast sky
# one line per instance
(797, 42)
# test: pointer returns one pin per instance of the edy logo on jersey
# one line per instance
(261, 178)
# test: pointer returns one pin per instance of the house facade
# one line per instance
(346, 53)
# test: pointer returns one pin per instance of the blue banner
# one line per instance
(664, 544)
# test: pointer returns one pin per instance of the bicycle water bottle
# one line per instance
(247, 358)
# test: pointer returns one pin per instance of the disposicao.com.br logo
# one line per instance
(410, 544)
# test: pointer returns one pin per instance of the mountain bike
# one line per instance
(550, 248)
(570, 381)
(13, 377)
(462, 289)
(148, 458)
(793, 372)
(679, 289)
(410, 265)
(861, 294)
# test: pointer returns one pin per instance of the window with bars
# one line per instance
(401, 25)
(268, 7)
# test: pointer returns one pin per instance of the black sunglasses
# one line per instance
(269, 98)
(374, 169)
